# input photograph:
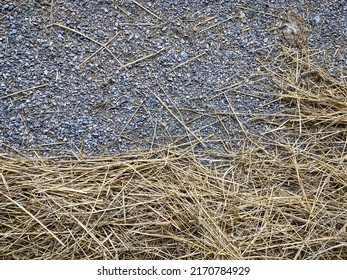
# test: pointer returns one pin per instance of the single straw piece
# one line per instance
(142, 58)
(24, 90)
(148, 11)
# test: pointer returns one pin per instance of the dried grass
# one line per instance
(281, 197)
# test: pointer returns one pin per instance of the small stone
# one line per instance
(317, 19)
(184, 55)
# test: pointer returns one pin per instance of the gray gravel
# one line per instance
(197, 50)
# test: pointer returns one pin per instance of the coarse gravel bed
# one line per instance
(110, 76)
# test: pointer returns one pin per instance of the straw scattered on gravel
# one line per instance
(281, 196)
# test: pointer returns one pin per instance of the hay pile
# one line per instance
(283, 196)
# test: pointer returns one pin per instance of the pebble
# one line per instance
(317, 19)
(184, 55)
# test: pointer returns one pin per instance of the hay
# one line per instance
(279, 197)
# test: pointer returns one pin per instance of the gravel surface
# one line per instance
(109, 76)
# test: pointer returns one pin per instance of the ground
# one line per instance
(173, 130)
(171, 72)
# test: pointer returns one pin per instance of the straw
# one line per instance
(279, 196)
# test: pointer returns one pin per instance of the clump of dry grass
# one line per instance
(319, 99)
(282, 197)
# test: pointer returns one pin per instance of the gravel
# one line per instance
(62, 89)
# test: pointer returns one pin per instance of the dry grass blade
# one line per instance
(217, 24)
(142, 58)
(24, 90)
(147, 10)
